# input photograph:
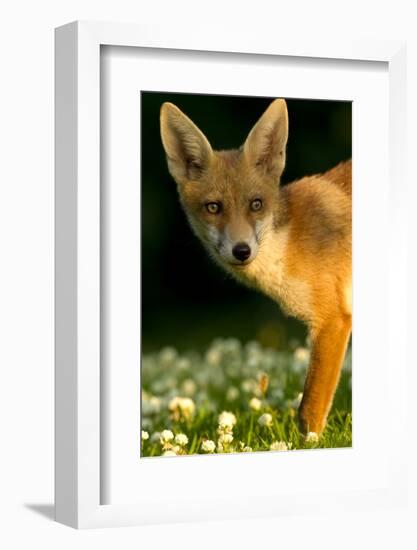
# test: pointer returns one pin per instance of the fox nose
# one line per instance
(241, 251)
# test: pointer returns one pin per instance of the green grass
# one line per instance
(185, 394)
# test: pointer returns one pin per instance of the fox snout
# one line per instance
(235, 250)
(241, 251)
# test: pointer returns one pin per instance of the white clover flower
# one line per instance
(168, 355)
(147, 424)
(145, 435)
(171, 382)
(254, 361)
(156, 437)
(255, 404)
(159, 386)
(302, 355)
(214, 357)
(312, 437)
(182, 408)
(247, 449)
(208, 446)
(231, 345)
(253, 347)
(265, 420)
(169, 453)
(155, 403)
(224, 430)
(225, 438)
(150, 404)
(278, 446)
(249, 385)
(183, 363)
(226, 420)
(166, 437)
(232, 393)
(189, 387)
(181, 440)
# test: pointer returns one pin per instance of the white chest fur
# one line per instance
(268, 274)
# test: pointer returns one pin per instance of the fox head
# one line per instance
(230, 197)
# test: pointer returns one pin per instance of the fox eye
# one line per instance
(213, 207)
(256, 205)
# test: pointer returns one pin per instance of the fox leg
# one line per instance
(329, 344)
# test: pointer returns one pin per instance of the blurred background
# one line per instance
(187, 300)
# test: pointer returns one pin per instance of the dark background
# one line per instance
(187, 300)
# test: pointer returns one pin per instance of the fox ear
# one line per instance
(266, 142)
(187, 148)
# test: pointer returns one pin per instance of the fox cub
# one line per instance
(291, 243)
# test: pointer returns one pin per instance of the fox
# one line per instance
(292, 243)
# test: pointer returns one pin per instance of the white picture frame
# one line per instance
(78, 426)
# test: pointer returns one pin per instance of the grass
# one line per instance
(186, 394)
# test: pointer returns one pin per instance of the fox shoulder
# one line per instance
(341, 175)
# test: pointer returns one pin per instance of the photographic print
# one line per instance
(246, 289)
